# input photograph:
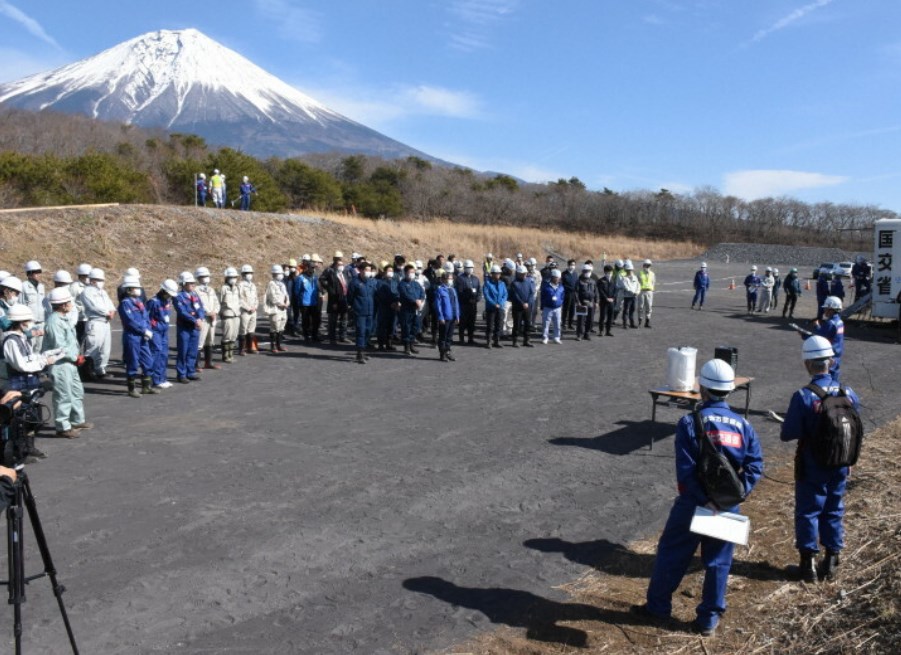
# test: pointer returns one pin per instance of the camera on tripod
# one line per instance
(20, 418)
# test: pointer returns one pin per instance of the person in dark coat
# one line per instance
(469, 293)
(606, 301)
(387, 303)
(569, 280)
(361, 299)
(522, 295)
(411, 296)
(335, 282)
(447, 311)
(586, 297)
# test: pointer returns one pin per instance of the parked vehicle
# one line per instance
(842, 268)
(825, 267)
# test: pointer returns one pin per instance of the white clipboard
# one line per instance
(725, 526)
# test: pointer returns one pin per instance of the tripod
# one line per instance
(24, 501)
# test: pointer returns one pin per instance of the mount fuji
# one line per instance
(183, 81)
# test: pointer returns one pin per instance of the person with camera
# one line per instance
(732, 436)
(68, 392)
(23, 364)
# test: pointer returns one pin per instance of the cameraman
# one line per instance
(23, 365)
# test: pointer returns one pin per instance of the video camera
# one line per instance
(17, 417)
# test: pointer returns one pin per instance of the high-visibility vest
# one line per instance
(216, 182)
(647, 279)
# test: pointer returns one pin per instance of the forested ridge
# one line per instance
(56, 159)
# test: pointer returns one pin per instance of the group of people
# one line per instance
(216, 190)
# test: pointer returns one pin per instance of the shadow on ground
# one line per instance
(632, 436)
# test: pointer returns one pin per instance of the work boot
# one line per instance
(497, 343)
(632, 324)
(360, 358)
(807, 567)
(608, 333)
(514, 344)
(407, 350)
(829, 566)
(273, 349)
(241, 343)
(132, 390)
(67, 434)
(147, 386)
(208, 358)
(647, 322)
(442, 356)
(226, 352)
(32, 450)
(278, 338)
(450, 357)
(413, 349)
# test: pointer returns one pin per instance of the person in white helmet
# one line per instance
(275, 304)
(733, 437)
(217, 189)
(647, 280)
(628, 287)
(77, 286)
(765, 297)
(10, 290)
(618, 272)
(534, 274)
(819, 489)
(777, 285)
(210, 300)
(469, 293)
(33, 297)
(68, 392)
(202, 189)
(752, 286)
(247, 189)
(190, 319)
(159, 310)
(99, 311)
(833, 329)
(230, 310)
(701, 284)
(123, 292)
(61, 279)
(247, 290)
(136, 338)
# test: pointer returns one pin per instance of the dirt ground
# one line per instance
(301, 503)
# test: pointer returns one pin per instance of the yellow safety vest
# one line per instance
(647, 279)
(216, 182)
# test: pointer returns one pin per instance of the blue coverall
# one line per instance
(833, 330)
(447, 309)
(135, 347)
(361, 298)
(701, 284)
(819, 492)
(752, 284)
(159, 311)
(189, 310)
(386, 297)
(734, 437)
(246, 189)
(409, 291)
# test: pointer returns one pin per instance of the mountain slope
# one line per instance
(181, 80)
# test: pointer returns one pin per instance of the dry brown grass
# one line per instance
(163, 241)
(858, 613)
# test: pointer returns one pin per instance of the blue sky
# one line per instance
(750, 97)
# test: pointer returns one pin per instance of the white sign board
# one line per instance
(886, 267)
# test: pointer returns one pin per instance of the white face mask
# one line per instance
(570, 268)
(450, 281)
(134, 292)
(203, 280)
(410, 276)
(340, 268)
(389, 274)
(279, 277)
(248, 276)
(99, 284)
(370, 275)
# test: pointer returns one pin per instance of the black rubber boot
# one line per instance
(273, 345)
(413, 349)
(32, 450)
(147, 386)
(647, 322)
(829, 566)
(442, 355)
(132, 388)
(807, 567)
(360, 358)
(450, 357)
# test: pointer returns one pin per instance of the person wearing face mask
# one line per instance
(136, 337)
(335, 281)
(586, 297)
(495, 292)
(33, 297)
(99, 311)
(647, 279)
(361, 298)
(159, 311)
(387, 303)
(306, 294)
(210, 300)
(552, 294)
(422, 316)
(412, 297)
(522, 292)
(569, 279)
(10, 289)
(447, 310)
(606, 300)
(535, 275)
(618, 272)
(61, 280)
(122, 290)
(469, 293)
(68, 392)
(82, 281)
(291, 274)
(247, 292)
(628, 287)
(276, 305)
(190, 318)
(230, 311)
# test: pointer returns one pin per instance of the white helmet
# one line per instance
(4, 275)
(717, 375)
(619, 263)
(32, 266)
(448, 267)
(488, 255)
(246, 179)
(202, 271)
(203, 176)
(468, 264)
(247, 268)
(587, 267)
(556, 273)
(354, 256)
(186, 278)
(775, 271)
(306, 257)
(131, 282)
(83, 269)
(231, 271)
(521, 270)
(703, 264)
(769, 269)
(629, 266)
(495, 269)
(132, 272)
(97, 274)
(647, 262)
(816, 347)
(62, 277)
(833, 302)
(18, 313)
(418, 265)
(276, 268)
(59, 296)
(458, 265)
(170, 287)
(754, 267)
(532, 262)
(12, 282)
(215, 171)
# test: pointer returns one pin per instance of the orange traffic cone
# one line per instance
(807, 286)
(732, 285)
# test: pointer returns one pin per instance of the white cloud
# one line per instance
(34, 28)
(15, 64)
(293, 23)
(790, 18)
(473, 20)
(754, 184)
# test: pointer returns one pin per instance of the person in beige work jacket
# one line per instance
(210, 301)
(230, 313)
(276, 306)
(247, 291)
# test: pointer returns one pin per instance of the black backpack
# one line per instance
(839, 430)
(718, 477)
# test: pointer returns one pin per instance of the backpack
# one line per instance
(839, 430)
(718, 477)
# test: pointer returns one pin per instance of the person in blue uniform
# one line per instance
(733, 436)
(247, 189)
(447, 308)
(819, 491)
(159, 309)
(522, 296)
(190, 318)
(136, 336)
(469, 292)
(412, 297)
(701, 285)
(832, 328)
(792, 287)
(824, 284)
(361, 299)
(752, 284)
(495, 293)
(387, 302)
(202, 190)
